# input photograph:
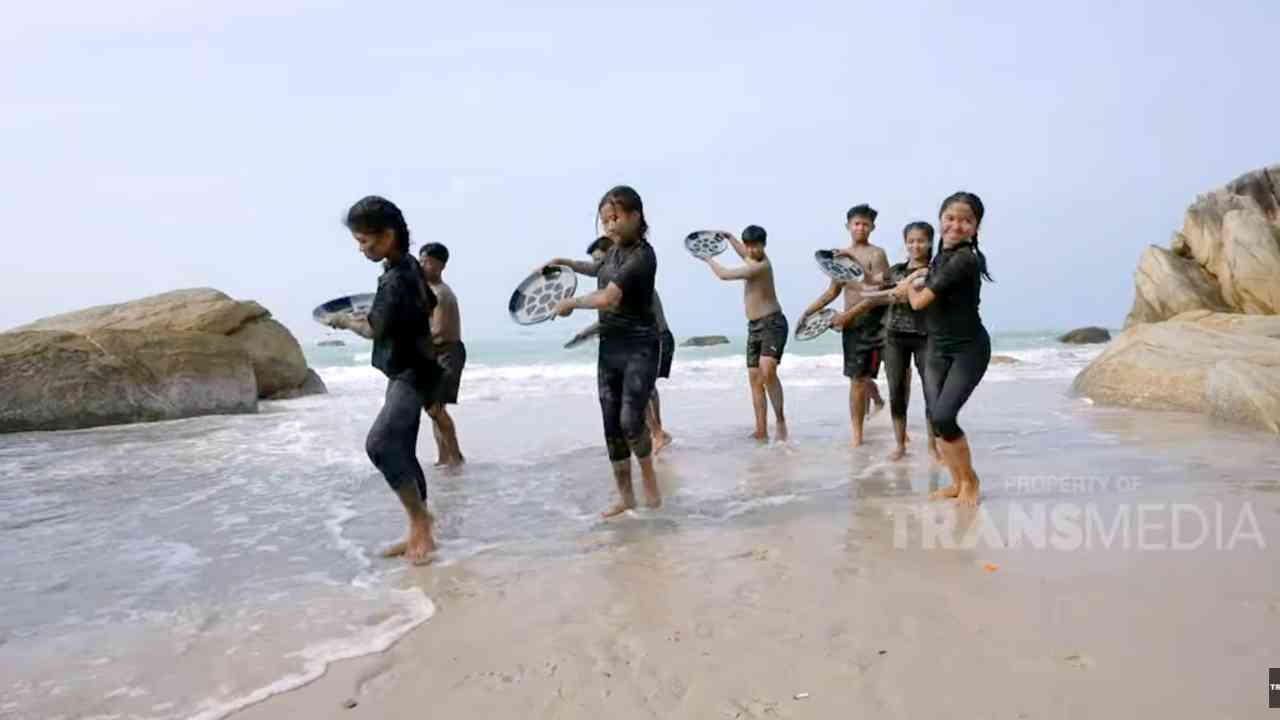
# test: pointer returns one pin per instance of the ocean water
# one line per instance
(188, 568)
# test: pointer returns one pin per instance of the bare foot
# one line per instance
(782, 433)
(652, 495)
(457, 461)
(857, 441)
(420, 543)
(760, 436)
(618, 508)
(968, 494)
(395, 550)
(949, 491)
(898, 453)
(660, 441)
(440, 463)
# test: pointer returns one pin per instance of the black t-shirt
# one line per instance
(901, 318)
(952, 318)
(401, 321)
(633, 269)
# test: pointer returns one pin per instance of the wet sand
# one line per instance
(820, 610)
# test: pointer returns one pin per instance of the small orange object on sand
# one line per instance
(991, 567)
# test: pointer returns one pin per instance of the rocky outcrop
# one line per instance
(1225, 258)
(705, 341)
(61, 380)
(276, 356)
(313, 385)
(1086, 336)
(1223, 365)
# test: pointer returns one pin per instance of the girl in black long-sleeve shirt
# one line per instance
(959, 347)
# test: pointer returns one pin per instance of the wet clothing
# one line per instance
(452, 358)
(860, 362)
(393, 440)
(627, 369)
(626, 373)
(400, 318)
(952, 319)
(900, 318)
(666, 352)
(766, 336)
(900, 350)
(633, 269)
(959, 346)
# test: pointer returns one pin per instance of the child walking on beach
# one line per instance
(399, 323)
(766, 326)
(959, 347)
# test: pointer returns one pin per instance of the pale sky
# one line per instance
(155, 145)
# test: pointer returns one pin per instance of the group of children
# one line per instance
(923, 311)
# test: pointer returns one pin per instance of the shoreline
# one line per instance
(818, 609)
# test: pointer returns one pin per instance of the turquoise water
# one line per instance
(542, 346)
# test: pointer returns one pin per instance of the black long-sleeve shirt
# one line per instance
(401, 322)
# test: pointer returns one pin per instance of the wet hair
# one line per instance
(375, 214)
(862, 210)
(437, 251)
(602, 243)
(754, 234)
(922, 226)
(975, 204)
(626, 198)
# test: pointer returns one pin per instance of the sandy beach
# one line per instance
(835, 607)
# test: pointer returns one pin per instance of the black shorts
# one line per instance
(766, 337)
(861, 356)
(452, 359)
(666, 353)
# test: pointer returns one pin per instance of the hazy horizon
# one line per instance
(177, 146)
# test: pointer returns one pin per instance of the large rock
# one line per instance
(1166, 285)
(1230, 241)
(1086, 336)
(1223, 365)
(278, 363)
(59, 380)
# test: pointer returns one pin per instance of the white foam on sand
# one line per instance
(316, 658)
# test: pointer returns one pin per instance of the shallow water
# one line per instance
(187, 568)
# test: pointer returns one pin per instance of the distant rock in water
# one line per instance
(178, 354)
(705, 341)
(1086, 336)
(1004, 360)
(331, 343)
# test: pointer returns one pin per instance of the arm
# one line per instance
(747, 271)
(605, 299)
(842, 319)
(357, 325)
(830, 294)
(590, 268)
(737, 246)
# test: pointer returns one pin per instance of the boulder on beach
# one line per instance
(277, 358)
(1223, 365)
(1226, 258)
(1203, 334)
(60, 380)
(705, 341)
(1086, 336)
(179, 354)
